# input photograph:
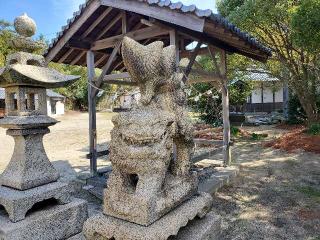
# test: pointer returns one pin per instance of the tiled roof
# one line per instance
(179, 7)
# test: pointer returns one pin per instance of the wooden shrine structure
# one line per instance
(93, 38)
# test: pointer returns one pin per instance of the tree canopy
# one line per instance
(291, 29)
(77, 93)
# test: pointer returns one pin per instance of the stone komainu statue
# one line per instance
(147, 180)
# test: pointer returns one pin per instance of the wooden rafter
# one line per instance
(65, 56)
(94, 5)
(96, 22)
(124, 22)
(110, 25)
(184, 20)
(104, 57)
(191, 61)
(77, 58)
(140, 34)
(106, 69)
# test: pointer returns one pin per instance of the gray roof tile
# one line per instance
(178, 6)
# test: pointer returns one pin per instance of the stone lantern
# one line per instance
(30, 177)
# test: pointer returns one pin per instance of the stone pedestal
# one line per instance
(17, 203)
(51, 223)
(29, 183)
(104, 227)
(29, 166)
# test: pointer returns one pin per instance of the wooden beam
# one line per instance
(116, 76)
(78, 44)
(74, 61)
(123, 83)
(124, 22)
(222, 71)
(137, 35)
(89, 10)
(174, 40)
(106, 69)
(110, 25)
(104, 57)
(192, 59)
(186, 20)
(65, 56)
(96, 22)
(188, 53)
(92, 114)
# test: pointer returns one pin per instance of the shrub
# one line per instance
(257, 137)
(235, 131)
(314, 129)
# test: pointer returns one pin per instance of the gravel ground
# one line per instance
(276, 196)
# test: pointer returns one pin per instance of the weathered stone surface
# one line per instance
(206, 228)
(221, 177)
(145, 207)
(53, 223)
(151, 191)
(102, 227)
(27, 122)
(151, 145)
(79, 236)
(29, 166)
(25, 26)
(17, 203)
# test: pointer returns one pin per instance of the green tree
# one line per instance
(77, 93)
(6, 35)
(283, 25)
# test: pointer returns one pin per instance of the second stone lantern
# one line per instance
(30, 178)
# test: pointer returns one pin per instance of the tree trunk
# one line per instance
(309, 104)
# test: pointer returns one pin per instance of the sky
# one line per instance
(51, 15)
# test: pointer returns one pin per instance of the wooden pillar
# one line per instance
(225, 110)
(174, 40)
(92, 114)
(222, 72)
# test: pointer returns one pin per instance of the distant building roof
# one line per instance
(261, 77)
(256, 76)
(50, 94)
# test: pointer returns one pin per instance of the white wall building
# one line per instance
(268, 94)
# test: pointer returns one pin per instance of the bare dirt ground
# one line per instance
(276, 196)
(67, 144)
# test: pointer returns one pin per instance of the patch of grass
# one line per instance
(257, 137)
(310, 192)
(316, 238)
(314, 129)
(235, 131)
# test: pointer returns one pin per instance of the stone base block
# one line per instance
(102, 227)
(53, 223)
(79, 236)
(206, 228)
(17, 203)
(145, 207)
